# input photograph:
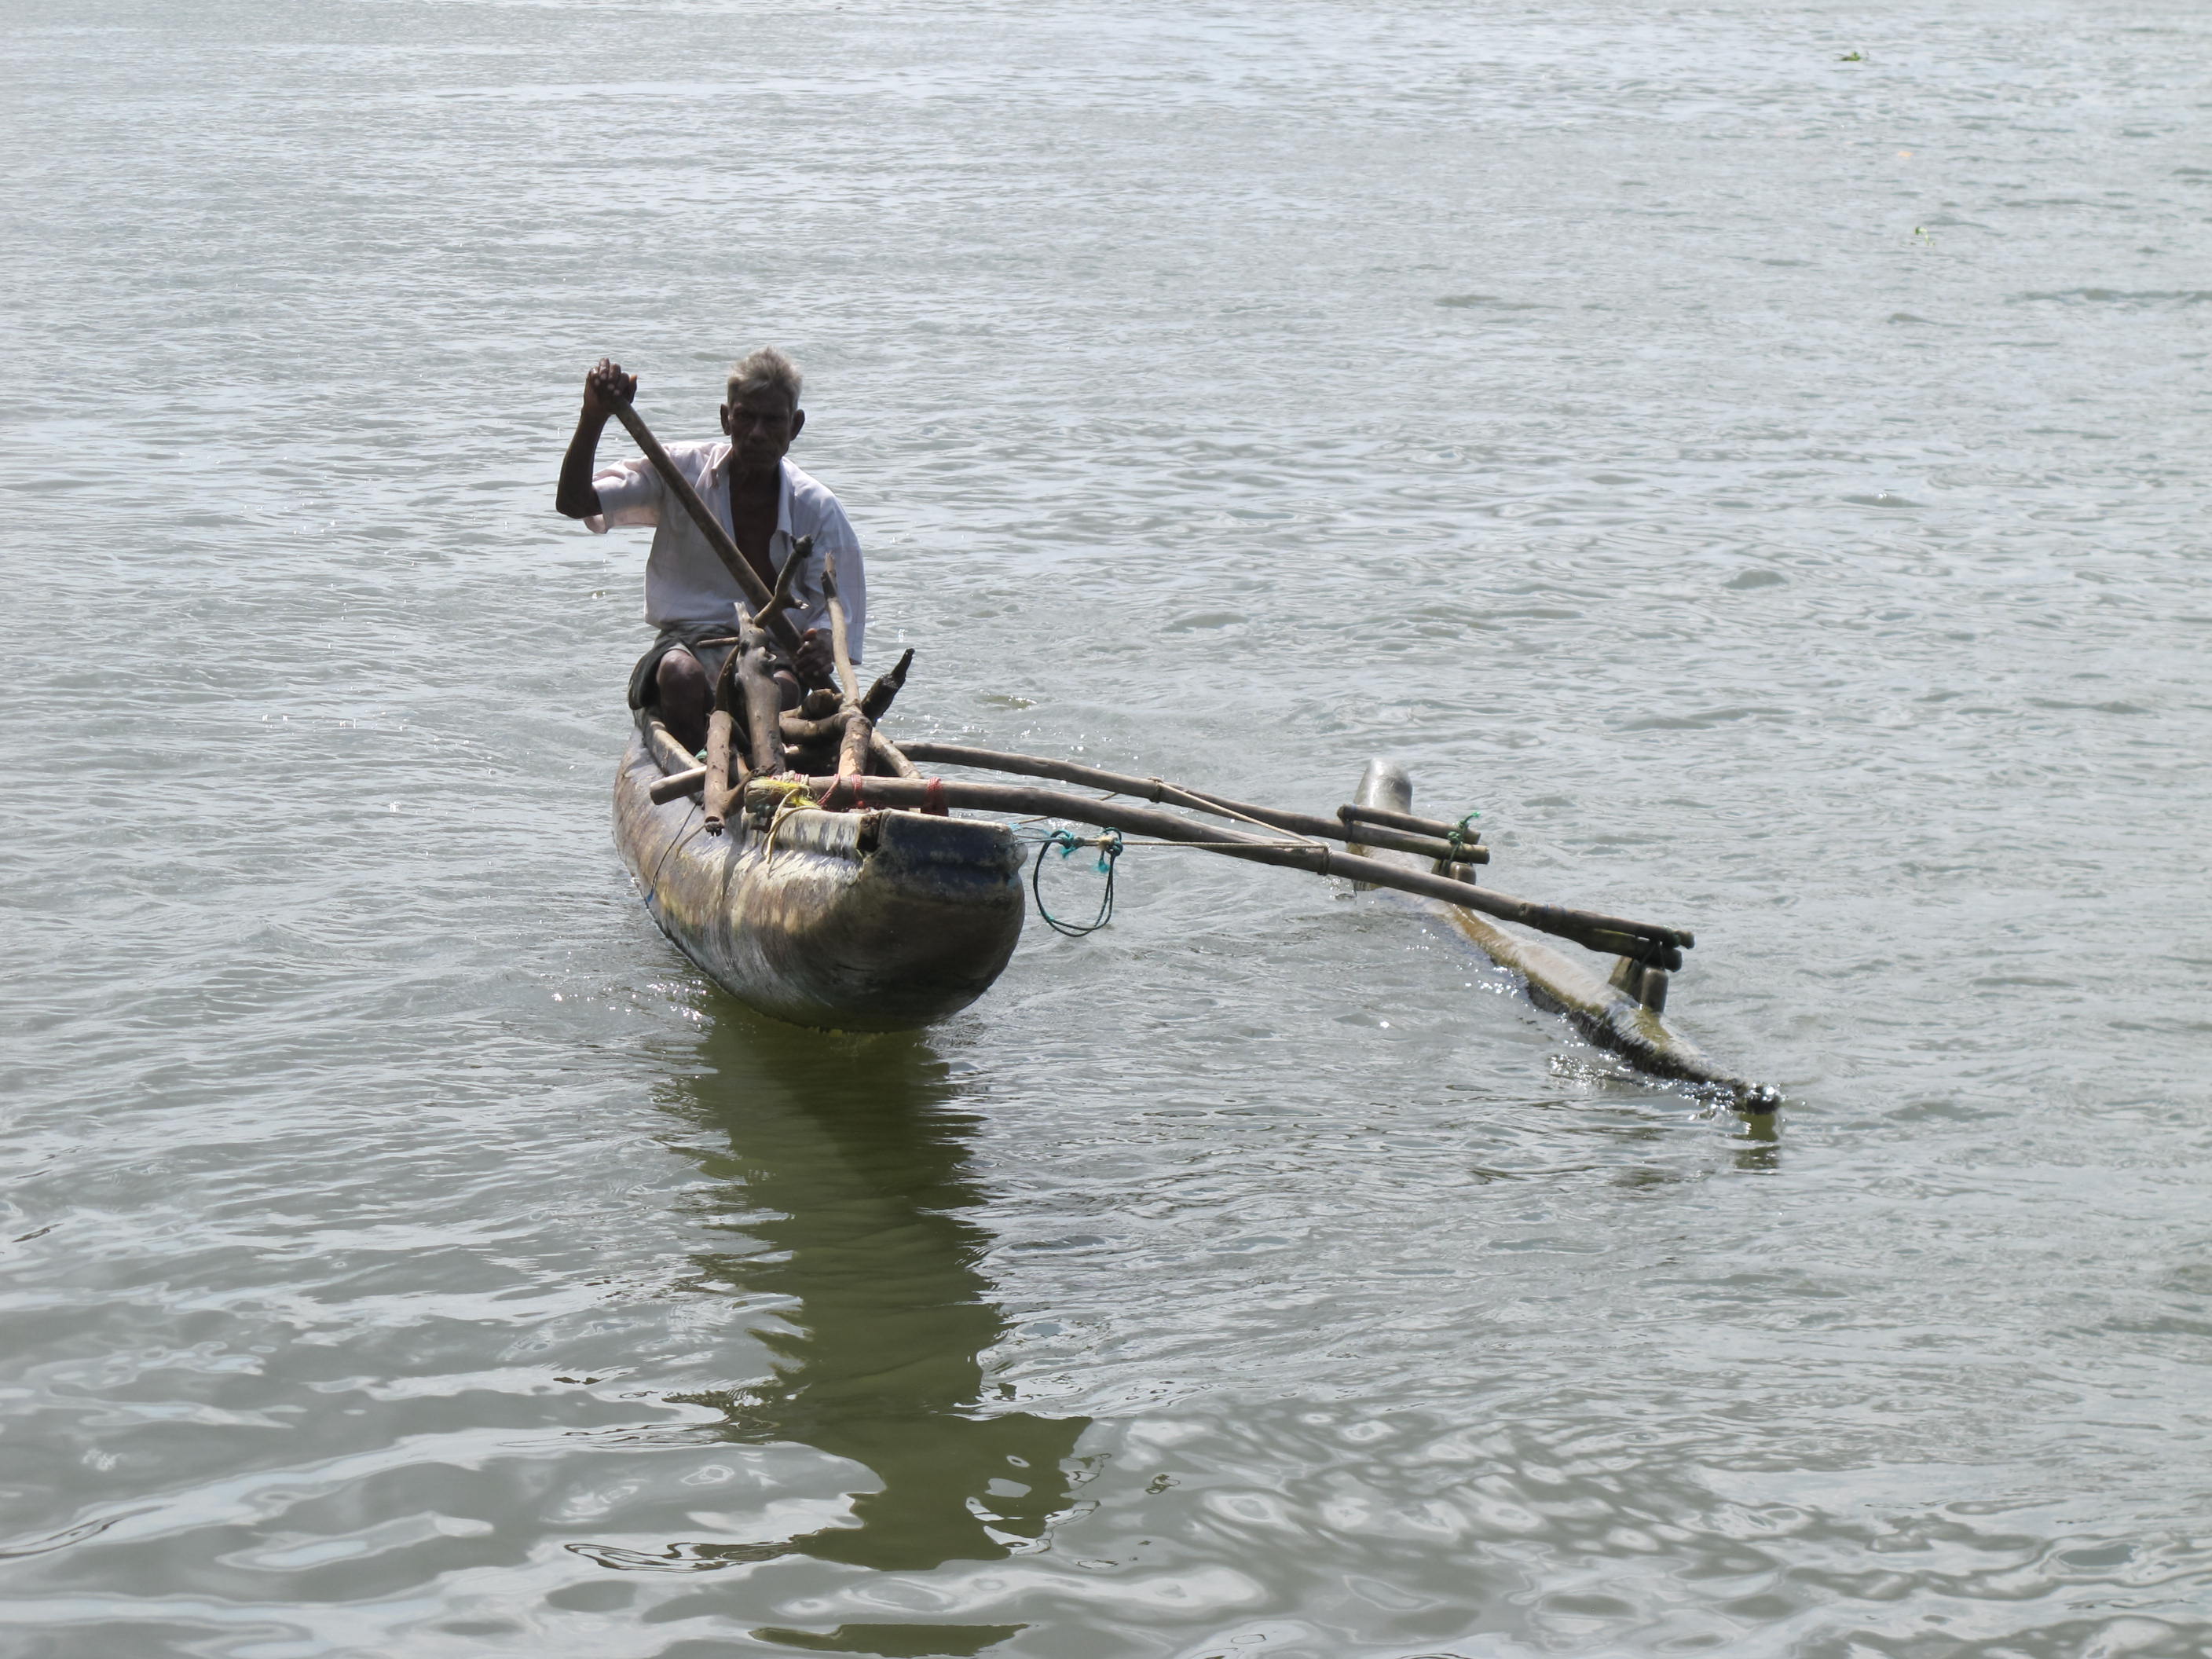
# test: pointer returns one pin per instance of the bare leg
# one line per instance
(686, 698)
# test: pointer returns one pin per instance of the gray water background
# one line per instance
(1768, 487)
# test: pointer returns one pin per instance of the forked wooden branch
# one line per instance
(787, 582)
(764, 743)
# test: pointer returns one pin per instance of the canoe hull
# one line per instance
(858, 921)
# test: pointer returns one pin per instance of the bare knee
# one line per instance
(684, 697)
(679, 676)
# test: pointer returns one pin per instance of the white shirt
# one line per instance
(685, 582)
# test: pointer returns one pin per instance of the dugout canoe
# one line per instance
(877, 921)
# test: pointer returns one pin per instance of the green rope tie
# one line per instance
(1109, 848)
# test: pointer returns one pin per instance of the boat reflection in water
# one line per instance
(848, 1171)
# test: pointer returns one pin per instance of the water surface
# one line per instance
(1767, 487)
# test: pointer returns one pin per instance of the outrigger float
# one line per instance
(808, 865)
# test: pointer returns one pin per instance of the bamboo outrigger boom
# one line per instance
(1613, 935)
(1155, 789)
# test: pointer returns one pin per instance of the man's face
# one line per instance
(761, 425)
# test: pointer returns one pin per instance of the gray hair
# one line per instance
(767, 367)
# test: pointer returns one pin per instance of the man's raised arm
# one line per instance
(605, 386)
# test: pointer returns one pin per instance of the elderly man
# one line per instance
(767, 505)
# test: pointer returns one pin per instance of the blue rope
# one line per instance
(1109, 848)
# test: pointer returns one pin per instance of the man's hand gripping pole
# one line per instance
(758, 597)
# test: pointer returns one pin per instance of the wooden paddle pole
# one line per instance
(758, 596)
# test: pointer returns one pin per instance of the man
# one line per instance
(766, 504)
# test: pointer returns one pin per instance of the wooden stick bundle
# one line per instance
(691, 780)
